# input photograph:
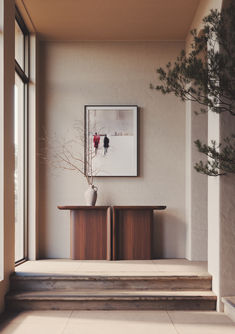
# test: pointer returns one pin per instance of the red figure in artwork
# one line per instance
(96, 141)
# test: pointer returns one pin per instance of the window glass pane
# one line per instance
(19, 168)
(19, 45)
(26, 55)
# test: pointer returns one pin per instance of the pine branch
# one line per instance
(206, 76)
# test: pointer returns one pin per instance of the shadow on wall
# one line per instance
(43, 206)
(227, 218)
(169, 235)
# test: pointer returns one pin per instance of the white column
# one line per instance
(214, 211)
(188, 183)
(196, 186)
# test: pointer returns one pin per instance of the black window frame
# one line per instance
(24, 76)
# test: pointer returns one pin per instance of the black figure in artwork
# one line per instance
(106, 144)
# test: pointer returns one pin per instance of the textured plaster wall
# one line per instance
(75, 74)
(7, 78)
(227, 216)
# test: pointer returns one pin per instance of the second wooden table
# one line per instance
(132, 232)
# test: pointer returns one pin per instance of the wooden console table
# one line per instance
(90, 232)
(92, 237)
(132, 232)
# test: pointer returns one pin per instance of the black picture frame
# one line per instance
(120, 125)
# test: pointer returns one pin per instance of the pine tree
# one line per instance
(206, 75)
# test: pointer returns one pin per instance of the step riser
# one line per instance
(189, 305)
(160, 284)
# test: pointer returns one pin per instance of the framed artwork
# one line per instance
(111, 140)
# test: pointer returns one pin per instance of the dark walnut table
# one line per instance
(132, 232)
(90, 232)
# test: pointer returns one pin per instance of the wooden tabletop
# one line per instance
(98, 207)
(83, 207)
(140, 207)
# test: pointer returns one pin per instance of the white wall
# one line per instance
(75, 74)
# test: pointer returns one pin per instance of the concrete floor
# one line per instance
(138, 268)
(124, 322)
(116, 322)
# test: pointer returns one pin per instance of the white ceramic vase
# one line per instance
(91, 195)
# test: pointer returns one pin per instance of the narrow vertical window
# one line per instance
(20, 136)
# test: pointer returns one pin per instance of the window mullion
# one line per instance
(21, 73)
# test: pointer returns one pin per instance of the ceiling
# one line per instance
(105, 20)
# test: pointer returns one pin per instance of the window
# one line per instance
(20, 135)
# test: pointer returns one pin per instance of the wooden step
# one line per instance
(110, 300)
(173, 282)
